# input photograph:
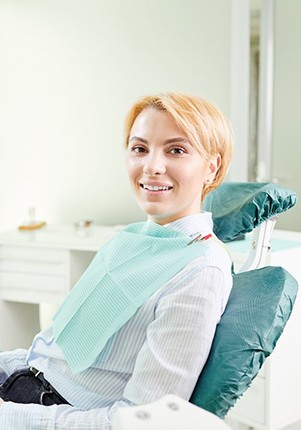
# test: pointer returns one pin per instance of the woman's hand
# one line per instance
(1, 401)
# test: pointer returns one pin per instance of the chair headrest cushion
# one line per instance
(238, 207)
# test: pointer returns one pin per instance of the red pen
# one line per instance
(200, 237)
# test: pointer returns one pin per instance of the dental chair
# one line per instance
(259, 306)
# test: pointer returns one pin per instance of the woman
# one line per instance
(140, 322)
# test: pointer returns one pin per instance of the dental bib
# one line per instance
(122, 276)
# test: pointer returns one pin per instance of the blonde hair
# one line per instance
(206, 127)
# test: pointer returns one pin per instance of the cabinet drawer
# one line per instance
(26, 288)
(32, 274)
(32, 261)
(23, 254)
(32, 296)
(37, 282)
(32, 267)
(251, 408)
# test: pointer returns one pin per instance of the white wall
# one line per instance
(286, 132)
(69, 71)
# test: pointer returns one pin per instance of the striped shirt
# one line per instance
(160, 350)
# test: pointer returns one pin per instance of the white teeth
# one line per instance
(155, 188)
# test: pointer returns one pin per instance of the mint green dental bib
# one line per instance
(122, 276)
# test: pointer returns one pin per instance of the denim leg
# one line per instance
(23, 387)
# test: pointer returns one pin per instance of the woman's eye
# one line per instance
(177, 151)
(138, 149)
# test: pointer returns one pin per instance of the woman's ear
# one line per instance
(214, 165)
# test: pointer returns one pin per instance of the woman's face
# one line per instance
(166, 171)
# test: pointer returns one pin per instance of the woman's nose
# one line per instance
(154, 164)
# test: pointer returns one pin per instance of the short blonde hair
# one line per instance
(206, 127)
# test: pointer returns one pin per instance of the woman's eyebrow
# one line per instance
(177, 140)
(140, 139)
(168, 141)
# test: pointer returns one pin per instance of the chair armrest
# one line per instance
(171, 412)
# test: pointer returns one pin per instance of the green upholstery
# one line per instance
(259, 306)
(238, 208)
(260, 302)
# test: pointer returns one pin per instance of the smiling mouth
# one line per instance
(155, 187)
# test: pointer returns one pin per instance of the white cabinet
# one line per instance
(273, 400)
(38, 268)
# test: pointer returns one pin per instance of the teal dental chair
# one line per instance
(259, 306)
(261, 299)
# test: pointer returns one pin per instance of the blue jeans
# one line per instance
(30, 386)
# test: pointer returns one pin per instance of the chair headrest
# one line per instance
(238, 207)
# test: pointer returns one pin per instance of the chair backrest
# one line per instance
(259, 306)
(261, 300)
